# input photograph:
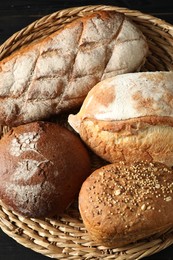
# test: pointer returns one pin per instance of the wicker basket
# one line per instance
(65, 237)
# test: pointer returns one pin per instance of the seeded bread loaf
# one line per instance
(129, 117)
(122, 203)
(55, 74)
(42, 168)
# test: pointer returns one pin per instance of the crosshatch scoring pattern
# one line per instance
(65, 236)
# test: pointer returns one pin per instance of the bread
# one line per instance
(42, 168)
(123, 203)
(55, 74)
(129, 117)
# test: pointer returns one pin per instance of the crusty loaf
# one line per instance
(129, 117)
(42, 169)
(55, 74)
(122, 203)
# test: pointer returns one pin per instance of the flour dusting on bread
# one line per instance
(129, 117)
(55, 74)
(24, 142)
(129, 96)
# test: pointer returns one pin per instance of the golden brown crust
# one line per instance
(122, 203)
(132, 125)
(145, 138)
(42, 168)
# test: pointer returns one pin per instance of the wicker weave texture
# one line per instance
(65, 237)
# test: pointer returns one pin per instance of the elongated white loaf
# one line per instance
(55, 74)
(129, 117)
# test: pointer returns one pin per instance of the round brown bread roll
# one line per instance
(129, 117)
(42, 168)
(122, 203)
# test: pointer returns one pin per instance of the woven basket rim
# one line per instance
(44, 236)
(87, 8)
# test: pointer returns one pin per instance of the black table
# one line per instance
(16, 14)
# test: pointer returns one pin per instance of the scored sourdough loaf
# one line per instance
(122, 203)
(55, 74)
(129, 117)
(43, 166)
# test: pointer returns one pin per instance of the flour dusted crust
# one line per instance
(55, 74)
(42, 168)
(129, 117)
(129, 96)
(123, 203)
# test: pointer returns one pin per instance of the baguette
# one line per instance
(129, 117)
(53, 75)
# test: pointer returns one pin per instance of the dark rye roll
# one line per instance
(42, 169)
(123, 203)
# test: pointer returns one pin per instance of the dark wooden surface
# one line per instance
(14, 15)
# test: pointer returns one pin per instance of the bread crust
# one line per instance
(42, 168)
(54, 74)
(123, 203)
(129, 124)
(140, 140)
